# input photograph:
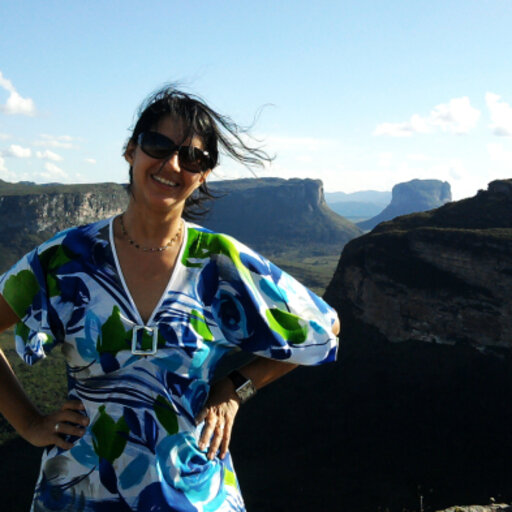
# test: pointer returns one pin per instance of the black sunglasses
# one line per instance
(159, 146)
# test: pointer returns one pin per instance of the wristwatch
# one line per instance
(244, 388)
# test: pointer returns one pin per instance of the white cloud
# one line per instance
(2, 165)
(501, 115)
(55, 141)
(52, 171)
(16, 151)
(456, 116)
(49, 155)
(16, 104)
(90, 160)
(4, 136)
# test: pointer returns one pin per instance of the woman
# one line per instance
(144, 306)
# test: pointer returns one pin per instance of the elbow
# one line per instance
(336, 327)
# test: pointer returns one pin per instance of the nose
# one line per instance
(173, 162)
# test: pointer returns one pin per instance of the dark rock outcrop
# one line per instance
(412, 196)
(424, 387)
(442, 276)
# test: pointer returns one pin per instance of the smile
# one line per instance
(169, 183)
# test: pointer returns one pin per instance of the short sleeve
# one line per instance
(24, 287)
(263, 310)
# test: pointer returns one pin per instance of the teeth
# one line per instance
(164, 181)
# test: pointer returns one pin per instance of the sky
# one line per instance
(360, 94)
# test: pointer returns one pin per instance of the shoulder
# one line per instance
(227, 252)
(86, 231)
(204, 241)
(72, 243)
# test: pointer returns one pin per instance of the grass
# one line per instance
(45, 383)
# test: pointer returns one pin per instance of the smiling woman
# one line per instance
(145, 306)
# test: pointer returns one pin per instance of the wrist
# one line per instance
(243, 387)
(30, 420)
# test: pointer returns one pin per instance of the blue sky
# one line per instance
(360, 94)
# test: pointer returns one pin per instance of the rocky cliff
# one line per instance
(30, 214)
(412, 196)
(272, 214)
(423, 390)
(442, 276)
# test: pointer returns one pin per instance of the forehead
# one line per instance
(176, 129)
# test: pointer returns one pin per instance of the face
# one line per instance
(161, 184)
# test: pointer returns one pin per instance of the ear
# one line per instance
(130, 152)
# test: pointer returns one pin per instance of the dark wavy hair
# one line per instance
(216, 132)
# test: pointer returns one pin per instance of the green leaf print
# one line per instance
(52, 286)
(54, 257)
(198, 323)
(165, 414)
(20, 290)
(229, 477)
(113, 337)
(108, 441)
(287, 325)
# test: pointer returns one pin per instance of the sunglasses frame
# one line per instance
(184, 152)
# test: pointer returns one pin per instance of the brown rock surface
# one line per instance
(443, 276)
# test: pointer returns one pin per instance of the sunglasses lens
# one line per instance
(156, 145)
(159, 146)
(193, 159)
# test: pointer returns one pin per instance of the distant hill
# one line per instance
(275, 215)
(364, 196)
(358, 206)
(409, 197)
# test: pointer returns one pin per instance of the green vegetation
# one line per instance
(45, 382)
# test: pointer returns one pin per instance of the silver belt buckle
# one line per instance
(138, 336)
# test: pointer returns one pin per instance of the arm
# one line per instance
(223, 403)
(22, 414)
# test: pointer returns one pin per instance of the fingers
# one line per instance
(73, 405)
(67, 422)
(218, 436)
(216, 433)
(226, 439)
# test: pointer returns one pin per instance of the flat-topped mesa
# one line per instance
(273, 213)
(412, 196)
(442, 276)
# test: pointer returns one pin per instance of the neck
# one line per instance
(152, 229)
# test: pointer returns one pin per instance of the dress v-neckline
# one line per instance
(172, 278)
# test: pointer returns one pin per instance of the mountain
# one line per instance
(364, 196)
(421, 402)
(409, 197)
(275, 215)
(357, 206)
(29, 214)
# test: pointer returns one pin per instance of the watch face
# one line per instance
(245, 391)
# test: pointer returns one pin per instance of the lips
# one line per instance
(164, 181)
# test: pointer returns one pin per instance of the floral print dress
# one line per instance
(143, 384)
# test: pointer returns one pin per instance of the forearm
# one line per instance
(263, 371)
(15, 405)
